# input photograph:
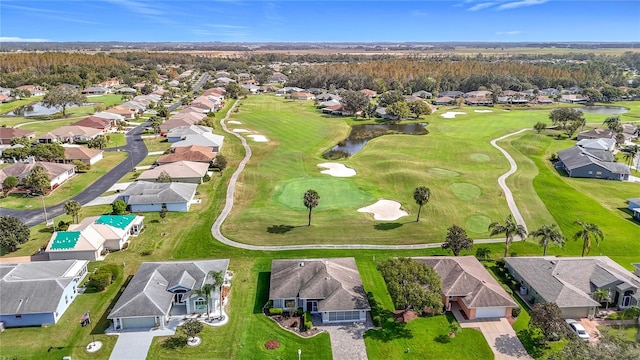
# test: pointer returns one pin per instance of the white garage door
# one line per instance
(344, 316)
(490, 312)
(141, 322)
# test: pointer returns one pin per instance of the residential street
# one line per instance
(137, 150)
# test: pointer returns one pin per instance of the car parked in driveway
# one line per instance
(578, 329)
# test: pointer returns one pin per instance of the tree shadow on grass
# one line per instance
(388, 329)
(532, 342)
(174, 342)
(262, 291)
(387, 226)
(279, 229)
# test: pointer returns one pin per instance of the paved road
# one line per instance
(229, 199)
(137, 152)
(203, 79)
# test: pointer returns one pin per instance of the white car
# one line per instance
(578, 329)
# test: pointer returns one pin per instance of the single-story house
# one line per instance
(126, 90)
(253, 89)
(110, 83)
(444, 100)
(7, 133)
(203, 103)
(370, 93)
(572, 282)
(278, 78)
(302, 96)
(451, 94)
(329, 287)
(109, 115)
(543, 100)
(634, 206)
(96, 123)
(202, 154)
(328, 103)
(206, 139)
(549, 92)
(144, 196)
(582, 163)
(159, 290)
(86, 155)
(93, 236)
(58, 173)
(223, 81)
(181, 171)
(38, 293)
(478, 101)
(34, 90)
(96, 90)
(573, 99)
(125, 112)
(183, 118)
(135, 106)
(478, 94)
(180, 132)
(596, 134)
(328, 97)
(603, 144)
(466, 282)
(74, 133)
(423, 94)
(222, 73)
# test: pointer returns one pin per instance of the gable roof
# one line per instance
(576, 157)
(75, 130)
(22, 169)
(36, 287)
(204, 139)
(464, 276)
(144, 192)
(10, 133)
(335, 282)
(180, 131)
(188, 153)
(80, 153)
(177, 170)
(147, 294)
(596, 133)
(569, 282)
(597, 144)
(94, 122)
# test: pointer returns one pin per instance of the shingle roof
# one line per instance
(464, 276)
(80, 153)
(597, 144)
(569, 282)
(36, 287)
(177, 170)
(74, 130)
(21, 169)
(335, 282)
(9, 133)
(147, 294)
(188, 153)
(94, 122)
(576, 157)
(205, 139)
(180, 131)
(143, 192)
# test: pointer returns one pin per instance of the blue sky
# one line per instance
(319, 21)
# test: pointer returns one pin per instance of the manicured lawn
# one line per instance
(337, 193)
(70, 188)
(108, 100)
(158, 144)
(116, 140)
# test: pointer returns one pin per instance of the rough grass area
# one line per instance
(334, 193)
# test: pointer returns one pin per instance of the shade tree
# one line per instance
(13, 232)
(457, 240)
(63, 96)
(412, 284)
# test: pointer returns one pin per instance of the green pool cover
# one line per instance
(117, 221)
(65, 240)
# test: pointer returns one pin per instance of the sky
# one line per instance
(320, 21)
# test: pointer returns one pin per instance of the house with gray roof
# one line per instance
(597, 164)
(205, 139)
(634, 206)
(331, 288)
(180, 132)
(159, 290)
(602, 144)
(572, 282)
(38, 293)
(596, 134)
(144, 196)
(466, 282)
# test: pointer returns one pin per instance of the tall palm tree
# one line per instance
(421, 195)
(311, 199)
(548, 234)
(589, 231)
(208, 288)
(72, 208)
(218, 281)
(510, 229)
(612, 123)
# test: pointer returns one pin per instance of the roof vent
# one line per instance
(301, 263)
(327, 278)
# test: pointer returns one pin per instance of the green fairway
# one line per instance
(334, 193)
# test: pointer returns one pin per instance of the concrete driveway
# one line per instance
(501, 338)
(347, 340)
(134, 344)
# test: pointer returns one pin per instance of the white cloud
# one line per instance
(19, 39)
(514, 32)
(481, 6)
(521, 3)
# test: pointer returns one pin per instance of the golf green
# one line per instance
(480, 157)
(335, 193)
(477, 223)
(465, 191)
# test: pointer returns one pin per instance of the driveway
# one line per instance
(501, 338)
(137, 152)
(347, 340)
(134, 345)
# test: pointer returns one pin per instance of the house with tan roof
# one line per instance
(331, 288)
(74, 134)
(180, 132)
(94, 237)
(96, 123)
(96, 90)
(58, 173)
(34, 90)
(469, 285)
(202, 154)
(183, 118)
(444, 100)
(302, 96)
(7, 133)
(109, 115)
(370, 93)
(125, 112)
(84, 154)
(180, 171)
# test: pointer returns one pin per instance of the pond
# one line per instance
(361, 134)
(604, 109)
(38, 109)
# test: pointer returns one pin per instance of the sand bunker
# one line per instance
(483, 111)
(241, 131)
(258, 138)
(452, 114)
(337, 170)
(385, 210)
(234, 122)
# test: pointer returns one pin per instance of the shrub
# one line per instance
(272, 344)
(507, 289)
(335, 155)
(299, 312)
(146, 253)
(275, 311)
(99, 280)
(206, 178)
(125, 246)
(63, 226)
(308, 324)
(112, 269)
(515, 312)
(376, 321)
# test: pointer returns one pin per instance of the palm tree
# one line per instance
(602, 295)
(612, 123)
(218, 281)
(510, 229)
(588, 232)
(483, 253)
(548, 234)
(208, 288)
(205, 291)
(72, 208)
(311, 200)
(421, 195)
